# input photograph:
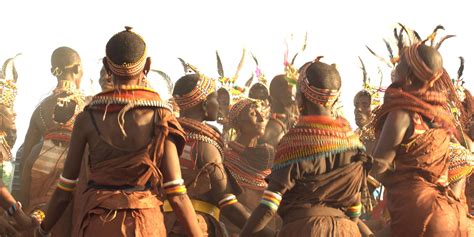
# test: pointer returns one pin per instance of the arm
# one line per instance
(262, 214)
(392, 135)
(221, 188)
(7, 201)
(61, 198)
(181, 204)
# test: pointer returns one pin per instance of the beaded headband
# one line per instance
(131, 68)
(324, 97)
(418, 67)
(238, 107)
(204, 87)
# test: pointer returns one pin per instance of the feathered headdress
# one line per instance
(374, 91)
(161, 82)
(258, 73)
(228, 83)
(8, 79)
(291, 73)
(459, 81)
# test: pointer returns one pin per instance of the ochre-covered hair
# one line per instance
(126, 53)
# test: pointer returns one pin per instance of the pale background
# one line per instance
(193, 30)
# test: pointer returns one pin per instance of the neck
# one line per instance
(193, 116)
(318, 110)
(246, 140)
(65, 79)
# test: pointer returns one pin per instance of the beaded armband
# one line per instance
(271, 199)
(227, 200)
(175, 187)
(14, 208)
(67, 185)
(354, 211)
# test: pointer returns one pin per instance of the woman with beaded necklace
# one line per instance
(318, 171)
(212, 190)
(134, 142)
(248, 162)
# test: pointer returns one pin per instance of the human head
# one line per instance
(223, 98)
(66, 65)
(318, 88)
(281, 91)
(126, 61)
(259, 91)
(419, 68)
(105, 81)
(247, 117)
(362, 108)
(195, 94)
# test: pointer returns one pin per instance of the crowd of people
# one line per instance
(271, 158)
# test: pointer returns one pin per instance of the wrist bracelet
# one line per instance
(14, 208)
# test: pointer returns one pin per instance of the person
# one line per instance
(283, 109)
(105, 81)
(411, 154)
(247, 161)
(47, 139)
(319, 167)
(128, 169)
(212, 190)
(8, 91)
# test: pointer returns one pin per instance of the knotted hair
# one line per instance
(126, 53)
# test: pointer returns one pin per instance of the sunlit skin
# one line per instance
(251, 125)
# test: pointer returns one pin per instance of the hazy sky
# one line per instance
(193, 30)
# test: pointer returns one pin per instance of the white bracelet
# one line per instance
(173, 183)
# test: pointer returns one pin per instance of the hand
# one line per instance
(23, 221)
(6, 229)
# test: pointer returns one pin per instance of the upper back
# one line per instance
(106, 139)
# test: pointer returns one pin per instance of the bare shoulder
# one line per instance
(82, 123)
(208, 153)
(398, 117)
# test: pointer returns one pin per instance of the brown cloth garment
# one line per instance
(121, 212)
(418, 200)
(318, 192)
(197, 177)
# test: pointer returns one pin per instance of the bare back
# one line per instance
(105, 138)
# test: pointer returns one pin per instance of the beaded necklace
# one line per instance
(125, 98)
(201, 132)
(245, 174)
(316, 137)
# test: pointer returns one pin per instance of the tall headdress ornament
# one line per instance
(291, 73)
(228, 83)
(8, 79)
